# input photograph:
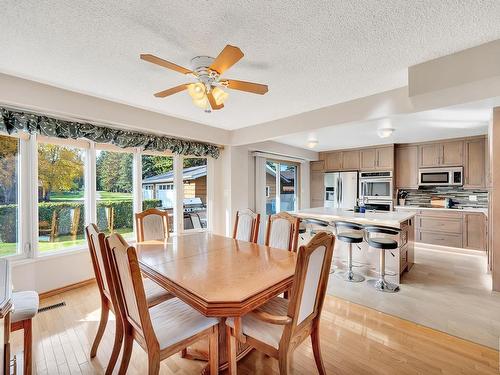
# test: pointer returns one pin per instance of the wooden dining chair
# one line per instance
(246, 226)
(152, 224)
(100, 262)
(162, 330)
(282, 231)
(280, 325)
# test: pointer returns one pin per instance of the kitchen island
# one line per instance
(365, 259)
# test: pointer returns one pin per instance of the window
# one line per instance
(158, 184)
(61, 201)
(195, 193)
(9, 209)
(281, 186)
(114, 185)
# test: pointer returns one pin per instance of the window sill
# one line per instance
(48, 256)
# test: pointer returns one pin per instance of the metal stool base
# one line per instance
(384, 286)
(351, 276)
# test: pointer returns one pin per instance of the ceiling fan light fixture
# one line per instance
(196, 91)
(220, 95)
(201, 102)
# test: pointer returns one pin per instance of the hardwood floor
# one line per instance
(354, 339)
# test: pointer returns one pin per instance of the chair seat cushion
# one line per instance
(350, 237)
(267, 333)
(25, 305)
(383, 243)
(155, 294)
(174, 321)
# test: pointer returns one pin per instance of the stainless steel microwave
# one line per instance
(452, 176)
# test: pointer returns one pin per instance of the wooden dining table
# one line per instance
(218, 276)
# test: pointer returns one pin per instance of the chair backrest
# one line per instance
(282, 231)
(381, 229)
(152, 224)
(131, 297)
(95, 241)
(310, 282)
(246, 226)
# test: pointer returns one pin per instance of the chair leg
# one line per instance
(128, 343)
(116, 346)
(28, 347)
(100, 330)
(231, 351)
(153, 363)
(317, 349)
(284, 363)
(213, 351)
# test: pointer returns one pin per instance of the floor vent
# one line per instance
(51, 307)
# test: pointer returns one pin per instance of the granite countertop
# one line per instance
(465, 209)
(389, 218)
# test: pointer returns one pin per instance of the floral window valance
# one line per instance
(14, 121)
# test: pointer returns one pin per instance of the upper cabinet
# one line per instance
(333, 161)
(441, 154)
(350, 160)
(406, 172)
(377, 158)
(475, 164)
(318, 166)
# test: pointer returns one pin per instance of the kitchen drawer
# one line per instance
(442, 239)
(437, 224)
(441, 213)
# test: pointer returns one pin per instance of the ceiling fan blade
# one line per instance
(213, 103)
(166, 64)
(171, 91)
(229, 56)
(255, 88)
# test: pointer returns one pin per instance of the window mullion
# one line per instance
(179, 194)
(90, 185)
(32, 200)
(137, 184)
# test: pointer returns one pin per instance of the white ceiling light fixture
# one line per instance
(386, 130)
(312, 143)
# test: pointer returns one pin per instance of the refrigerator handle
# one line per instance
(338, 191)
(341, 198)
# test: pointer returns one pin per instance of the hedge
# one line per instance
(122, 218)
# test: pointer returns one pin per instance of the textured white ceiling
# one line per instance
(453, 122)
(311, 53)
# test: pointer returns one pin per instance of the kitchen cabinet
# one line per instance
(452, 153)
(475, 164)
(381, 158)
(318, 165)
(333, 161)
(406, 172)
(317, 188)
(350, 160)
(441, 154)
(474, 234)
(368, 159)
(443, 228)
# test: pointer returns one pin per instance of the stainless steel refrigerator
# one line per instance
(341, 189)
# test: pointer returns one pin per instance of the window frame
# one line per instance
(28, 226)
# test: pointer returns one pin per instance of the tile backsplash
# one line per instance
(460, 197)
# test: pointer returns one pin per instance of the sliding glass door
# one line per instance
(281, 186)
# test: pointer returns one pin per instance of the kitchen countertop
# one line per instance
(466, 209)
(389, 218)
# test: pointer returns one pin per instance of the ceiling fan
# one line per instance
(208, 92)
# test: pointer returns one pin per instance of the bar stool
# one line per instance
(382, 244)
(354, 235)
(311, 223)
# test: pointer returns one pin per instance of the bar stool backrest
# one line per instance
(348, 225)
(381, 229)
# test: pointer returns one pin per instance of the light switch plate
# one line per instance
(473, 198)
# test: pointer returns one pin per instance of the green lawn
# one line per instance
(78, 195)
(61, 243)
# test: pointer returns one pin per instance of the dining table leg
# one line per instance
(231, 351)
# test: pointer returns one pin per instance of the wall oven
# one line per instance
(452, 176)
(376, 185)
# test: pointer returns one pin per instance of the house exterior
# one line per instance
(162, 186)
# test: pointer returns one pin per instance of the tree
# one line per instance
(154, 165)
(114, 172)
(59, 169)
(8, 169)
